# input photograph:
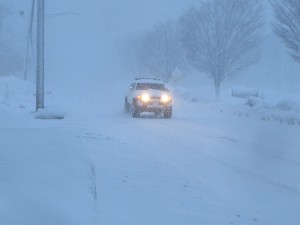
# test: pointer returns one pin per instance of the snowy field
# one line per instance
(232, 160)
(46, 174)
(209, 164)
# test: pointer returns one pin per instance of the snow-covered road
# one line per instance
(201, 167)
(206, 165)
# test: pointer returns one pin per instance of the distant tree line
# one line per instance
(220, 38)
(287, 25)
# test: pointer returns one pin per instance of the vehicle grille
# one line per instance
(155, 98)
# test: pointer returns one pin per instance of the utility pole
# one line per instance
(40, 55)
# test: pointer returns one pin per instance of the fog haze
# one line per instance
(102, 151)
(83, 40)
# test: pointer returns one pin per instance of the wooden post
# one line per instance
(40, 55)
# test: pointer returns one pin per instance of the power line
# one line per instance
(29, 38)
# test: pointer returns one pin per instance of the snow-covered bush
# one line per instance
(254, 101)
(288, 105)
(283, 111)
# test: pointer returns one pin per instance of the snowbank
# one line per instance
(270, 106)
(284, 111)
(46, 178)
(50, 113)
(46, 173)
(16, 92)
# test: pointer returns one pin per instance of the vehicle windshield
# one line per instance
(154, 86)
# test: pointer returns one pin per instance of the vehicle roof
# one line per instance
(148, 80)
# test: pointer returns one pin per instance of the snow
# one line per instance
(47, 175)
(50, 113)
(202, 166)
(217, 161)
(15, 93)
(45, 178)
(206, 165)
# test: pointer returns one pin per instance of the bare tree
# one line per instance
(287, 25)
(222, 37)
(128, 54)
(160, 50)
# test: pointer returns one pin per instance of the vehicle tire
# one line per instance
(134, 111)
(126, 106)
(157, 113)
(168, 113)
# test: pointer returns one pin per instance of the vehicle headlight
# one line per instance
(145, 98)
(165, 98)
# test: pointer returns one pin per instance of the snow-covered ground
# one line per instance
(206, 165)
(46, 175)
(216, 162)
